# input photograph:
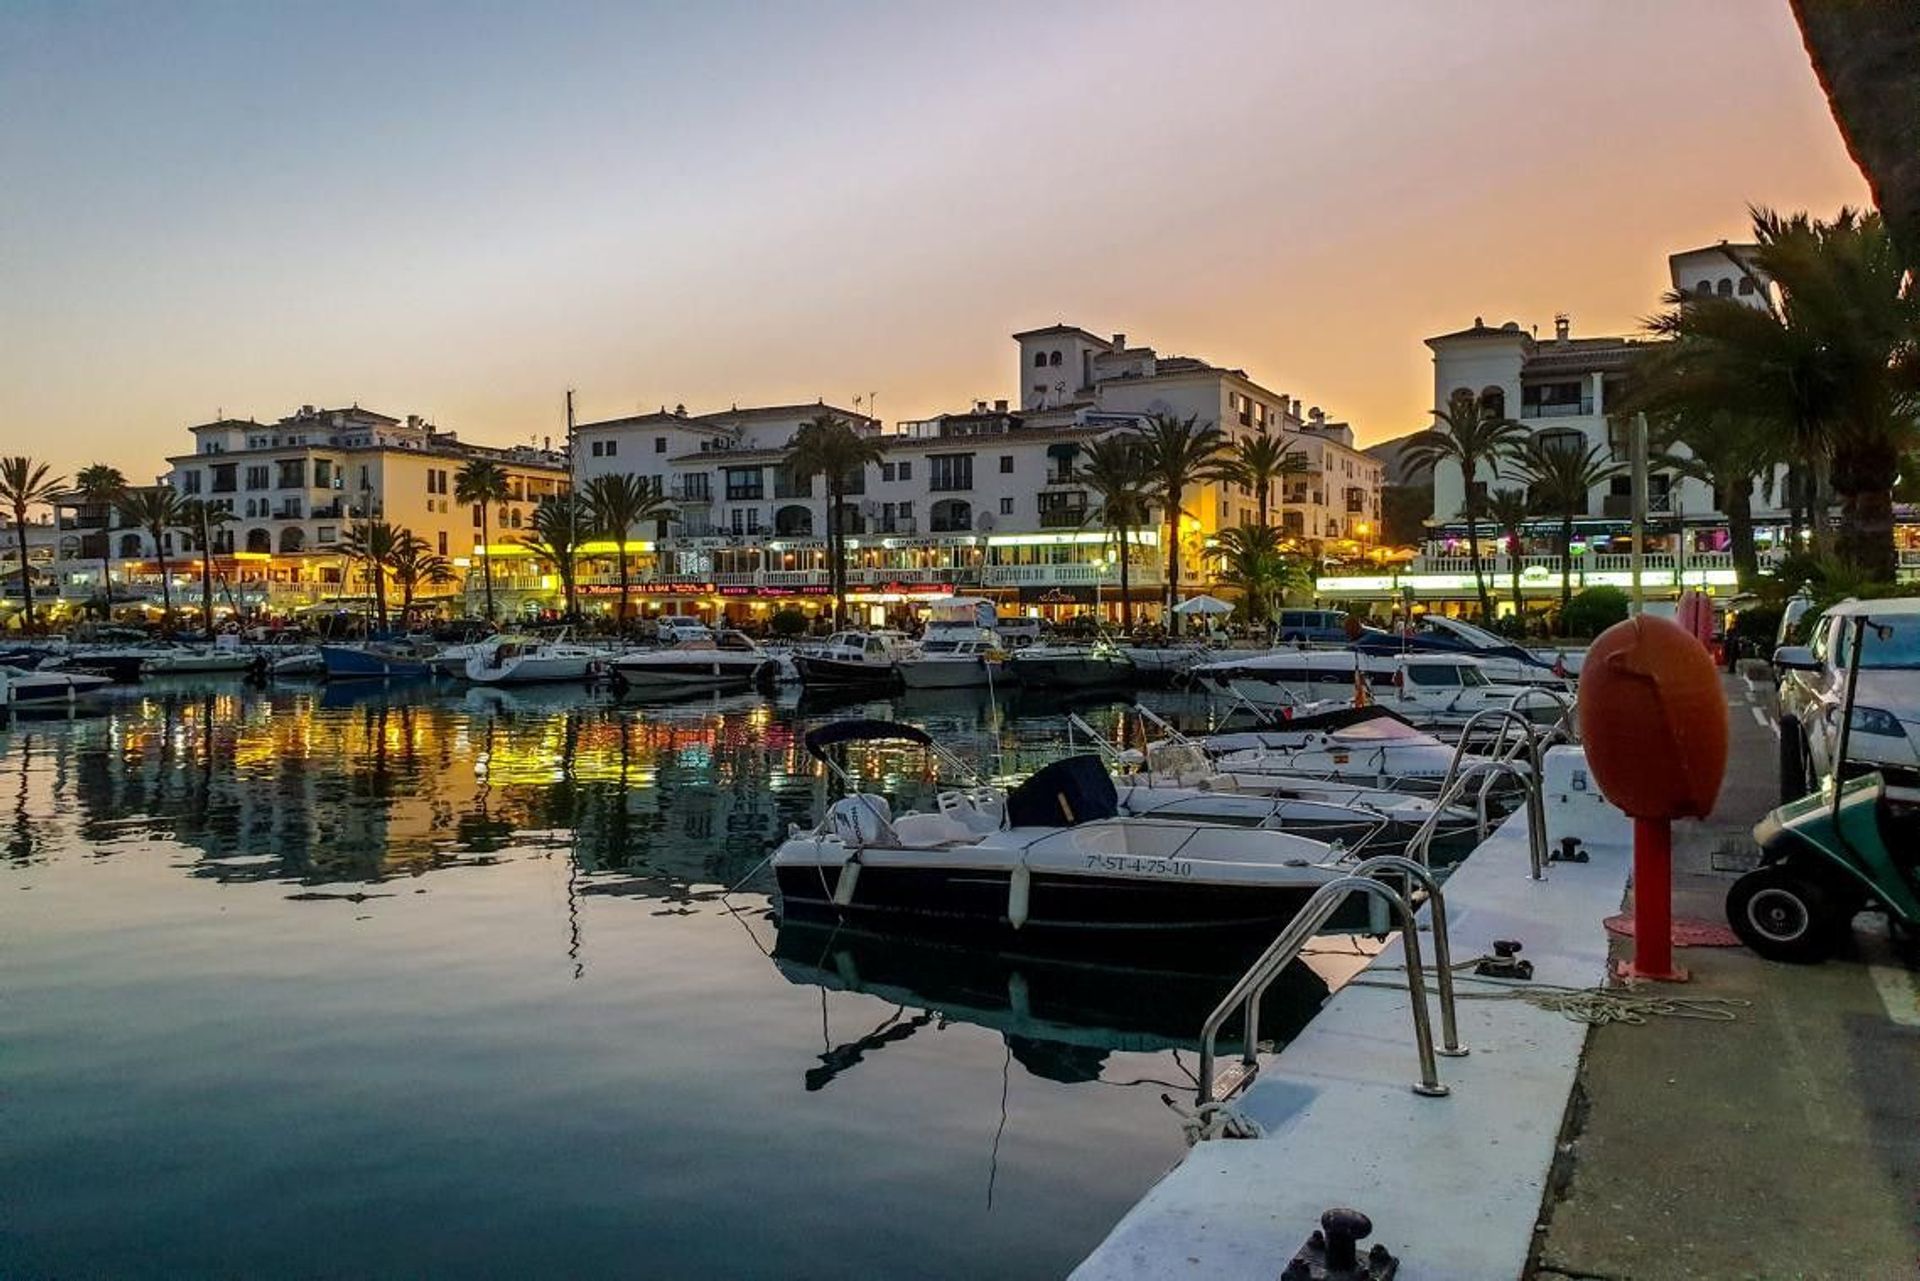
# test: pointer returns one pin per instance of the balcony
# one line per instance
(898, 525)
(1063, 518)
(1077, 574)
(1581, 408)
(1620, 506)
(691, 493)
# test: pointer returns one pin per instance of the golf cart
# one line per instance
(1850, 846)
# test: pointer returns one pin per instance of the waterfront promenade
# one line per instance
(1783, 1144)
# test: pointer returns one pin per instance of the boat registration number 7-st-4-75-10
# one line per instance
(1139, 866)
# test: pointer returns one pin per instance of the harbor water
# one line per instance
(314, 981)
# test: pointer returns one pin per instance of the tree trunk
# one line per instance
(106, 576)
(1866, 529)
(379, 592)
(166, 581)
(1467, 505)
(1739, 498)
(1867, 57)
(1126, 585)
(486, 561)
(621, 553)
(1566, 567)
(835, 569)
(1513, 569)
(206, 587)
(1173, 560)
(26, 585)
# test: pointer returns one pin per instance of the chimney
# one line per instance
(979, 406)
(999, 406)
(1562, 325)
(1119, 342)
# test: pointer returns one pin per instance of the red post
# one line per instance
(1653, 902)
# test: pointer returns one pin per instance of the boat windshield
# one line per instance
(1478, 637)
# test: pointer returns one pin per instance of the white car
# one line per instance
(1886, 715)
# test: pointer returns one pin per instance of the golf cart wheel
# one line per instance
(1793, 761)
(1785, 916)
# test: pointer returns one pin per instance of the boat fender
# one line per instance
(1019, 895)
(849, 877)
(1019, 1000)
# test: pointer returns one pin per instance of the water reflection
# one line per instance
(480, 939)
(1061, 1020)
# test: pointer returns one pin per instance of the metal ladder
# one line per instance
(1246, 994)
(1454, 786)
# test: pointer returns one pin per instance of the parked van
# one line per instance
(1314, 626)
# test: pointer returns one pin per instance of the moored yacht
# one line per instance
(528, 660)
(1428, 689)
(852, 658)
(1052, 665)
(20, 688)
(1052, 859)
(726, 661)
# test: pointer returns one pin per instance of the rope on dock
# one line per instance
(1594, 1006)
(1218, 1120)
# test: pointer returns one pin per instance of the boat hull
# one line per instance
(1128, 913)
(530, 671)
(694, 676)
(815, 670)
(972, 673)
(344, 662)
(1071, 671)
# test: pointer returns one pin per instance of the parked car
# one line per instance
(1886, 715)
(1315, 626)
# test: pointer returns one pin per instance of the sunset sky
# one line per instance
(461, 210)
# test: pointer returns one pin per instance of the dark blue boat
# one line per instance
(372, 661)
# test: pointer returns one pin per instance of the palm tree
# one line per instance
(203, 518)
(1509, 509)
(614, 505)
(828, 446)
(157, 510)
(560, 526)
(1252, 561)
(1259, 461)
(1863, 56)
(1114, 470)
(376, 544)
(103, 486)
(25, 484)
(482, 483)
(1471, 434)
(1831, 362)
(1727, 453)
(1560, 469)
(1179, 452)
(416, 565)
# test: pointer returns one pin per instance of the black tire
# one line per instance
(1793, 761)
(1785, 915)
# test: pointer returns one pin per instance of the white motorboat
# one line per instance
(960, 649)
(1051, 665)
(1428, 689)
(199, 660)
(954, 664)
(725, 661)
(1500, 658)
(852, 658)
(527, 660)
(1054, 859)
(298, 661)
(20, 688)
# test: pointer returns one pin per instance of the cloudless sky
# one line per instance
(461, 210)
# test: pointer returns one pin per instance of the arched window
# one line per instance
(1704, 289)
(951, 516)
(1053, 358)
(259, 540)
(1726, 286)
(1746, 286)
(793, 521)
(1039, 360)
(1493, 401)
(291, 539)
(129, 544)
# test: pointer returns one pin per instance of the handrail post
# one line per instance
(1246, 993)
(1442, 944)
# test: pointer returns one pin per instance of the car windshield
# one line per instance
(1897, 647)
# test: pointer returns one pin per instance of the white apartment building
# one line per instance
(981, 500)
(296, 488)
(1569, 384)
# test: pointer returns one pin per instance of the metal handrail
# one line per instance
(1565, 722)
(1536, 796)
(1282, 951)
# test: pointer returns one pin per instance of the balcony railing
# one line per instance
(1063, 518)
(1559, 409)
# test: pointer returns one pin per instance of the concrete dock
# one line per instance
(1782, 1142)
(1453, 1184)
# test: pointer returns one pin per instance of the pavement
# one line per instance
(1782, 1144)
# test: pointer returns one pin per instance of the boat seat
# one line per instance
(926, 831)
